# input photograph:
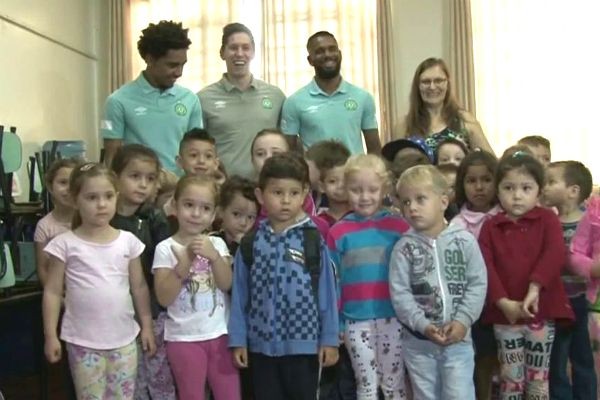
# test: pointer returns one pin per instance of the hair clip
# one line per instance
(86, 167)
(519, 153)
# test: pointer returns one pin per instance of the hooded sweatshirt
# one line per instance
(436, 281)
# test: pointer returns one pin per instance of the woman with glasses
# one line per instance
(434, 113)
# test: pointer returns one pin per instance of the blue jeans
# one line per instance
(439, 372)
(572, 343)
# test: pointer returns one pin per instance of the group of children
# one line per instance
(424, 274)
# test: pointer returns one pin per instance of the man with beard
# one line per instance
(152, 110)
(238, 106)
(329, 107)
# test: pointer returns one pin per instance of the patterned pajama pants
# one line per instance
(154, 378)
(524, 355)
(376, 353)
(103, 374)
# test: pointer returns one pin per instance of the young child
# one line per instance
(585, 261)
(360, 245)
(451, 151)
(101, 270)
(524, 253)
(476, 198)
(539, 146)
(438, 285)
(284, 321)
(449, 172)
(568, 185)
(267, 143)
(192, 273)
(238, 208)
(165, 187)
(137, 168)
(329, 158)
(198, 154)
(59, 219)
(396, 150)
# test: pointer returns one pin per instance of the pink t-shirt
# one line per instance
(48, 228)
(98, 305)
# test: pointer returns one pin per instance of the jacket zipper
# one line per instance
(440, 283)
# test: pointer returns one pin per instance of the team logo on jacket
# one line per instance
(267, 103)
(180, 109)
(350, 105)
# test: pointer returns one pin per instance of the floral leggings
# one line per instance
(154, 378)
(376, 355)
(103, 374)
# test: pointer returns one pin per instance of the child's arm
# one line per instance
(221, 265)
(469, 308)
(334, 256)
(581, 250)
(407, 309)
(328, 310)
(495, 288)
(237, 327)
(141, 300)
(42, 260)
(554, 254)
(53, 292)
(168, 279)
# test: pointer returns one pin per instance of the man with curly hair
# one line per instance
(152, 110)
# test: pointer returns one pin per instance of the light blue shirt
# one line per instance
(343, 115)
(140, 113)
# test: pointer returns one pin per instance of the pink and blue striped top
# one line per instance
(360, 248)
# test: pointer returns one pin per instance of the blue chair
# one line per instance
(16, 216)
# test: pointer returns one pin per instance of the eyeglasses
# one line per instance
(436, 82)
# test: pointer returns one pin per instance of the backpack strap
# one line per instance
(247, 247)
(312, 256)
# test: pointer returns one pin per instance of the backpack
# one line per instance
(312, 253)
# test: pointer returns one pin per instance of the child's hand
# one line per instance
(328, 356)
(512, 310)
(595, 269)
(53, 350)
(182, 254)
(148, 341)
(531, 301)
(454, 332)
(240, 357)
(435, 334)
(202, 246)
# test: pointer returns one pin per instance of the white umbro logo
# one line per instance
(140, 110)
(220, 104)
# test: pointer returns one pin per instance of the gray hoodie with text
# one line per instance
(435, 281)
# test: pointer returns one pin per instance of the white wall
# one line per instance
(421, 30)
(53, 70)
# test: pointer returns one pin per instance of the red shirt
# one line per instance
(516, 253)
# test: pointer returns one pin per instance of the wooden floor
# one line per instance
(28, 387)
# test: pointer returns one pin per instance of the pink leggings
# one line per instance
(193, 363)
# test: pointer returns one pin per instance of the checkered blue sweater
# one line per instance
(273, 309)
(360, 249)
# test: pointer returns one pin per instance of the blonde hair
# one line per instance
(368, 162)
(423, 175)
